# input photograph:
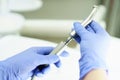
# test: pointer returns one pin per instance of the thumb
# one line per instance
(79, 29)
(39, 60)
(46, 59)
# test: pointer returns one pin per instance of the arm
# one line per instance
(94, 41)
(96, 74)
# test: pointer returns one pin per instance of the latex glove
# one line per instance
(94, 41)
(23, 65)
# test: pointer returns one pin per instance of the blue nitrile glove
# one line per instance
(94, 41)
(24, 65)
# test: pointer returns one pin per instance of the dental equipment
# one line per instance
(60, 47)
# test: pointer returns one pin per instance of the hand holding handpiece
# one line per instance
(60, 47)
(24, 65)
(94, 42)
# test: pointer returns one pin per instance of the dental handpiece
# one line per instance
(59, 48)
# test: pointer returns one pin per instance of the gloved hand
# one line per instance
(24, 65)
(94, 41)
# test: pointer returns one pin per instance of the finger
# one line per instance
(38, 60)
(64, 54)
(96, 27)
(48, 59)
(43, 50)
(89, 29)
(58, 64)
(79, 29)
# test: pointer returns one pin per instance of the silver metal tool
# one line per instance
(59, 48)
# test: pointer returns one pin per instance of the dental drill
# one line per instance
(61, 46)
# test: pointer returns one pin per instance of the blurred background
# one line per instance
(78, 10)
(52, 20)
(33, 16)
